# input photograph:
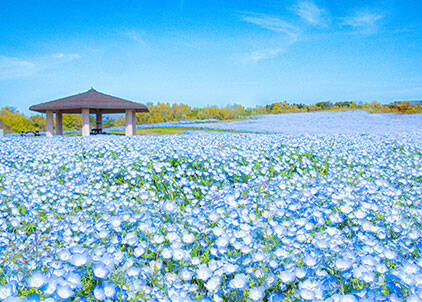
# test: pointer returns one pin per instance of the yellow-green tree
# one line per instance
(72, 122)
(14, 121)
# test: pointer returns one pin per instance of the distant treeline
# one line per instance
(13, 121)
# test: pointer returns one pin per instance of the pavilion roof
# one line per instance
(92, 99)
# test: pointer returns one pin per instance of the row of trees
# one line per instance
(178, 112)
(374, 107)
(13, 121)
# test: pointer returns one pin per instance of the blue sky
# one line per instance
(211, 52)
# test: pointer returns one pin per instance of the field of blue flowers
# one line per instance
(315, 123)
(213, 217)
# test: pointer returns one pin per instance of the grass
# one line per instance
(170, 131)
(161, 131)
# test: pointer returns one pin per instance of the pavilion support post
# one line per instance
(99, 119)
(85, 122)
(129, 123)
(134, 122)
(49, 124)
(59, 123)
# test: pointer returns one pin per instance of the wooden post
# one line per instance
(99, 120)
(85, 122)
(134, 122)
(59, 123)
(49, 124)
(129, 123)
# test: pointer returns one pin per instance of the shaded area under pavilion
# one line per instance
(85, 103)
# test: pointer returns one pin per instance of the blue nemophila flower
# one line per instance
(186, 274)
(37, 280)
(51, 286)
(310, 261)
(287, 276)
(213, 284)
(188, 238)
(64, 291)
(203, 272)
(133, 271)
(230, 268)
(240, 281)
(343, 264)
(158, 239)
(109, 290)
(74, 280)
(131, 238)
(170, 206)
(306, 294)
(166, 253)
(64, 255)
(79, 259)
(256, 293)
(7, 291)
(101, 271)
(99, 293)
(178, 254)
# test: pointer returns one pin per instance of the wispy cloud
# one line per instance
(311, 13)
(135, 36)
(62, 57)
(364, 21)
(13, 67)
(263, 54)
(272, 23)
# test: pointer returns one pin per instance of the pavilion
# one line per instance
(88, 102)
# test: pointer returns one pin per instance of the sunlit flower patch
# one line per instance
(211, 217)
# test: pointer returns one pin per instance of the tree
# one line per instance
(15, 121)
(72, 122)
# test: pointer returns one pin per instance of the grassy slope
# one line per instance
(169, 131)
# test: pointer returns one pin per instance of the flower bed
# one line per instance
(211, 216)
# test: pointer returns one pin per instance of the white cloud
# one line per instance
(65, 57)
(272, 23)
(12, 67)
(364, 21)
(310, 12)
(135, 36)
(263, 54)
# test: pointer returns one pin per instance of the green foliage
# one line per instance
(72, 121)
(167, 113)
(13, 121)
